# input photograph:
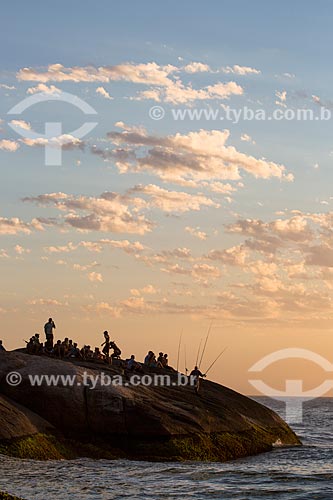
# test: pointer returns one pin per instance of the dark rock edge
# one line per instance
(48, 442)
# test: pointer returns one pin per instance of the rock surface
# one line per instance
(166, 423)
(7, 496)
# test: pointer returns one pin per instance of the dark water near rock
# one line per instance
(299, 473)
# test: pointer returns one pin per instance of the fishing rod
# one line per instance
(180, 339)
(186, 370)
(204, 347)
(218, 357)
(196, 363)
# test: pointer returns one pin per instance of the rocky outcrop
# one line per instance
(166, 423)
(17, 421)
(6, 496)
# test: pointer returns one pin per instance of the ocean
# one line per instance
(304, 472)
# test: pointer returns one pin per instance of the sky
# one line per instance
(178, 211)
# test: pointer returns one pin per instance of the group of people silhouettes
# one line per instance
(161, 362)
(69, 349)
(110, 352)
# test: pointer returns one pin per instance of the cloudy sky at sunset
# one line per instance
(151, 224)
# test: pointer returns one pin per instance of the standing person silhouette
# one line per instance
(106, 344)
(196, 374)
(48, 329)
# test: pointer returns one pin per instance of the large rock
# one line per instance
(16, 421)
(161, 422)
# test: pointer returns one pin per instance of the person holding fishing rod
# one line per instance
(196, 374)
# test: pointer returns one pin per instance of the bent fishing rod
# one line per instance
(180, 340)
(205, 344)
(186, 370)
(196, 363)
(218, 357)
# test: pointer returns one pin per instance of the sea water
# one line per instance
(304, 472)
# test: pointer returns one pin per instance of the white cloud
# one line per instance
(241, 70)
(268, 237)
(195, 156)
(8, 145)
(282, 97)
(7, 87)
(86, 267)
(64, 141)
(138, 305)
(3, 254)
(146, 290)
(247, 138)
(21, 124)
(234, 256)
(199, 272)
(196, 67)
(101, 91)
(21, 250)
(97, 246)
(177, 93)
(108, 213)
(173, 201)
(41, 87)
(195, 231)
(105, 308)
(46, 302)
(15, 225)
(147, 73)
(163, 85)
(95, 277)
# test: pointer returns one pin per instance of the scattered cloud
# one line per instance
(95, 277)
(46, 302)
(64, 141)
(163, 85)
(21, 124)
(7, 87)
(41, 87)
(97, 246)
(241, 70)
(8, 145)
(195, 157)
(21, 250)
(101, 91)
(247, 138)
(195, 231)
(16, 225)
(282, 97)
(196, 67)
(173, 201)
(234, 256)
(3, 254)
(146, 290)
